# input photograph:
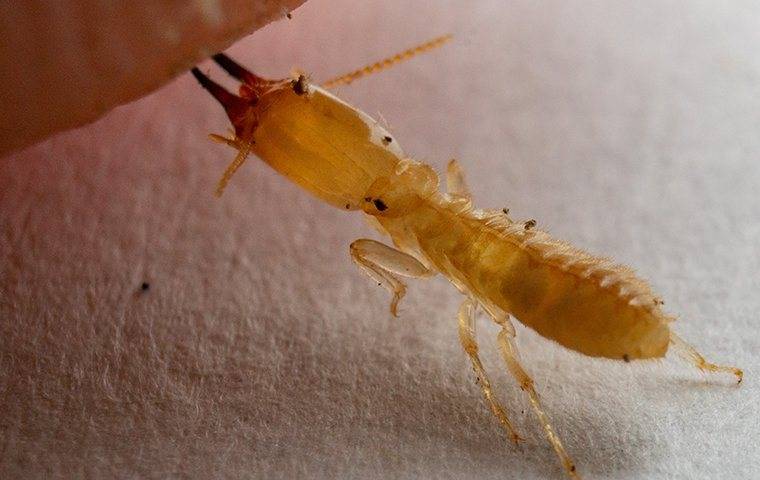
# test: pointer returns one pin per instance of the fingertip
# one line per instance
(66, 66)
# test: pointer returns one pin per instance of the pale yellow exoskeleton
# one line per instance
(505, 268)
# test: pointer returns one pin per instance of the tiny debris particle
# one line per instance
(348, 206)
(380, 205)
(505, 211)
(387, 140)
(145, 286)
(626, 358)
(530, 224)
(289, 15)
(572, 468)
(301, 85)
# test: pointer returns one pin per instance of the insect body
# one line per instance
(506, 268)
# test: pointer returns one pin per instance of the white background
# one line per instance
(630, 129)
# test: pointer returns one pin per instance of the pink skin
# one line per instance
(68, 66)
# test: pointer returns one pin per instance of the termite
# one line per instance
(505, 268)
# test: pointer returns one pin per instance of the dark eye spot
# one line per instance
(380, 205)
(387, 140)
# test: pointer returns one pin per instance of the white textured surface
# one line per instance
(259, 351)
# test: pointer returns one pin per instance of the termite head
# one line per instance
(402, 191)
(318, 141)
(242, 108)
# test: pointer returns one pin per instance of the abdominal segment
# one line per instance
(574, 310)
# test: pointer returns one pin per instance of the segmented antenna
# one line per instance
(387, 63)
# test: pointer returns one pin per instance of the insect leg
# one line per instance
(511, 355)
(384, 264)
(456, 185)
(691, 355)
(466, 317)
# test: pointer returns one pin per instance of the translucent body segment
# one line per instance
(324, 145)
(597, 322)
(466, 317)
(573, 310)
(384, 264)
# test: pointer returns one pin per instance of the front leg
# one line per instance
(384, 264)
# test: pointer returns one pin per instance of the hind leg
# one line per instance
(511, 357)
(384, 264)
(691, 355)
(466, 318)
